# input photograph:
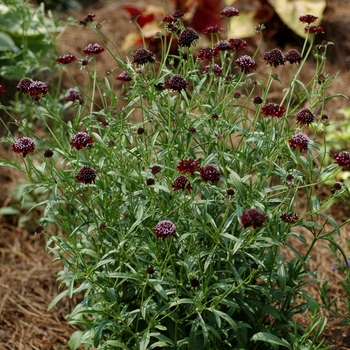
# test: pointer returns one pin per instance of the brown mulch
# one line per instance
(27, 278)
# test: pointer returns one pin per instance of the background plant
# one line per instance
(200, 149)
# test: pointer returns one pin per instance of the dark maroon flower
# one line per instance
(87, 19)
(207, 53)
(214, 116)
(66, 59)
(124, 76)
(289, 218)
(194, 282)
(37, 88)
(165, 229)
(188, 166)
(210, 173)
(181, 183)
(258, 100)
(93, 49)
(140, 131)
(237, 95)
(2, 89)
(102, 227)
(178, 14)
(253, 218)
(74, 95)
(150, 270)
(337, 186)
(86, 175)
(80, 140)
(169, 19)
(176, 83)
(142, 56)
(314, 29)
(215, 68)
(325, 119)
(321, 78)
(293, 56)
(229, 12)
(289, 177)
(272, 110)
(308, 19)
(299, 140)
(187, 37)
(156, 169)
(254, 266)
(23, 145)
(230, 192)
(192, 130)
(212, 29)
(246, 63)
(159, 87)
(238, 44)
(342, 159)
(84, 62)
(274, 57)
(39, 229)
(223, 45)
(305, 116)
(150, 182)
(48, 153)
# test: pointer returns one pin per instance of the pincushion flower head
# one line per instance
(229, 12)
(37, 88)
(188, 166)
(142, 56)
(80, 140)
(74, 95)
(176, 83)
(23, 85)
(246, 63)
(181, 183)
(299, 140)
(305, 116)
(207, 53)
(223, 45)
(124, 76)
(24, 145)
(293, 56)
(87, 19)
(308, 19)
(93, 49)
(86, 175)
(215, 29)
(342, 159)
(253, 218)
(66, 59)
(238, 44)
(274, 58)
(187, 37)
(272, 110)
(210, 173)
(314, 29)
(289, 218)
(164, 229)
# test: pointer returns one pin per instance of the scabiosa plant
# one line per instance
(93, 49)
(188, 166)
(74, 95)
(272, 110)
(181, 183)
(165, 229)
(314, 29)
(308, 19)
(187, 37)
(23, 85)
(289, 218)
(176, 83)
(124, 76)
(37, 88)
(156, 169)
(238, 44)
(305, 117)
(293, 56)
(246, 63)
(86, 175)
(229, 12)
(207, 54)
(24, 145)
(215, 29)
(342, 159)
(87, 19)
(299, 140)
(143, 56)
(66, 59)
(274, 58)
(81, 139)
(210, 173)
(253, 218)
(223, 45)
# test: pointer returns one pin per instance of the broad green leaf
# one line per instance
(75, 340)
(270, 338)
(7, 44)
(290, 10)
(145, 340)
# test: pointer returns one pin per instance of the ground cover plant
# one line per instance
(174, 197)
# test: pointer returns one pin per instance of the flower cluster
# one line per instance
(188, 166)
(74, 95)
(80, 140)
(207, 53)
(299, 140)
(33, 88)
(143, 56)
(274, 57)
(305, 116)
(24, 145)
(124, 76)
(86, 175)
(66, 59)
(229, 12)
(253, 218)
(176, 83)
(181, 183)
(289, 218)
(187, 37)
(273, 110)
(165, 229)
(210, 173)
(342, 159)
(93, 49)
(246, 63)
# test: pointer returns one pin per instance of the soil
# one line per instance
(27, 277)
